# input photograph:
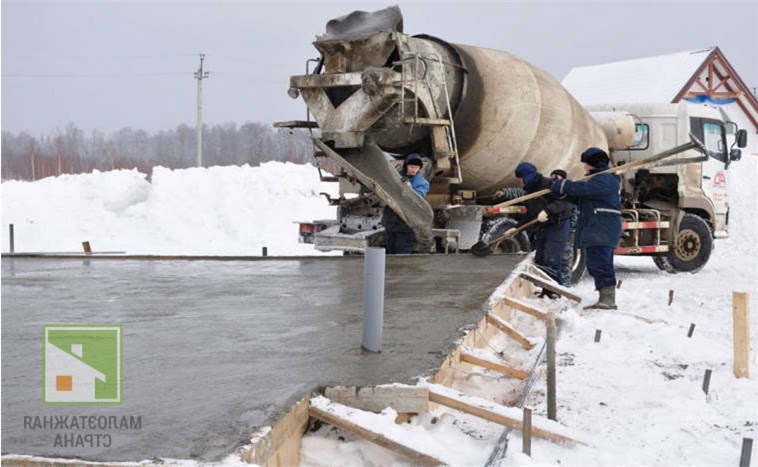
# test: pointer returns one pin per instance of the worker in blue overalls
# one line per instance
(599, 226)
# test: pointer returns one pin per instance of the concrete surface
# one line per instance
(212, 349)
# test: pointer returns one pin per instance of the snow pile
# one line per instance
(197, 211)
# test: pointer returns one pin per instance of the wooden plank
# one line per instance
(280, 446)
(469, 357)
(401, 397)
(507, 416)
(521, 306)
(364, 430)
(509, 331)
(741, 331)
(551, 286)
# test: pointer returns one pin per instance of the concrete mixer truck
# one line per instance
(376, 94)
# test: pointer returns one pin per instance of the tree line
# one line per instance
(26, 157)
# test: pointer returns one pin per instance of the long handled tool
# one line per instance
(651, 161)
(485, 249)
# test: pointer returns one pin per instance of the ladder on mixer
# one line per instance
(410, 79)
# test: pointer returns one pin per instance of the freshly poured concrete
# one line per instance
(212, 349)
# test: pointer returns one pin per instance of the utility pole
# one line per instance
(199, 76)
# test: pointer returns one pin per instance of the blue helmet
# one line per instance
(524, 169)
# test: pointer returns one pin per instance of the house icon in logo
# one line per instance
(82, 364)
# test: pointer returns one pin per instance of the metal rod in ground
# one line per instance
(551, 403)
(12, 240)
(526, 432)
(747, 448)
(373, 299)
(87, 248)
(706, 381)
(265, 251)
(598, 332)
(692, 329)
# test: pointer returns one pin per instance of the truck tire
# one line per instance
(578, 267)
(692, 247)
(497, 227)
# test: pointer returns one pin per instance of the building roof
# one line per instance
(698, 76)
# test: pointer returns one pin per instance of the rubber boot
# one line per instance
(607, 300)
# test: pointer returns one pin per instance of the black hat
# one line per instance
(560, 172)
(413, 159)
(595, 157)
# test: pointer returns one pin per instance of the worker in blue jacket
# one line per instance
(599, 226)
(400, 238)
(553, 214)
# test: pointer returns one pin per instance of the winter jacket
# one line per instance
(420, 185)
(392, 221)
(599, 202)
(558, 209)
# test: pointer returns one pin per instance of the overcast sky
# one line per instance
(108, 65)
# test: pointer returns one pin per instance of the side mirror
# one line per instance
(741, 139)
(735, 154)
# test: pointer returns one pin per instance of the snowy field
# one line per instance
(635, 396)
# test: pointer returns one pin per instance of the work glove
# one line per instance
(542, 216)
(511, 232)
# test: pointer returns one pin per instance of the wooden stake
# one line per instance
(87, 248)
(671, 296)
(508, 330)
(551, 286)
(597, 335)
(526, 432)
(488, 411)
(551, 403)
(468, 357)
(741, 331)
(521, 306)
(618, 284)
(692, 329)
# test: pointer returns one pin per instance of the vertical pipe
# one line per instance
(551, 403)
(747, 448)
(373, 299)
(12, 240)
(706, 381)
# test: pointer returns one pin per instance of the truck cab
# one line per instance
(687, 193)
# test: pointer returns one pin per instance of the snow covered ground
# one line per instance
(635, 395)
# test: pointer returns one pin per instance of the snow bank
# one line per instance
(198, 211)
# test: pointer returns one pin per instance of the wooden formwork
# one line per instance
(281, 445)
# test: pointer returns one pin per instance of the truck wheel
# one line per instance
(691, 249)
(497, 227)
(578, 267)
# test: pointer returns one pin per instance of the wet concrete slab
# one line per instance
(213, 349)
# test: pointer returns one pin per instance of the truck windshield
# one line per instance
(711, 133)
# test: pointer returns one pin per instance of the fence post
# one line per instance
(741, 331)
